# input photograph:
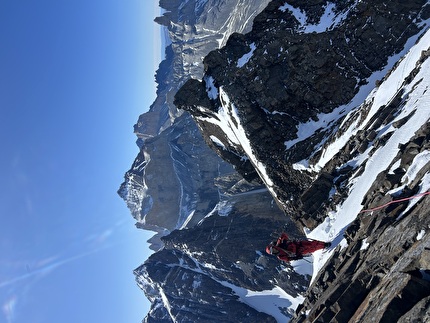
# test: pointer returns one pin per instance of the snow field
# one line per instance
(418, 107)
(271, 302)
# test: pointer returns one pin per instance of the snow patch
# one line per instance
(395, 166)
(166, 304)
(364, 244)
(224, 208)
(303, 266)
(274, 302)
(217, 142)
(329, 20)
(420, 234)
(211, 88)
(301, 165)
(231, 125)
(418, 163)
(307, 129)
(184, 225)
(297, 13)
(246, 57)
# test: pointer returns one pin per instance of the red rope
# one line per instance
(395, 201)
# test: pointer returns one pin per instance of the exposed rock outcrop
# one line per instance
(286, 73)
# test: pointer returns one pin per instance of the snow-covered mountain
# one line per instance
(323, 110)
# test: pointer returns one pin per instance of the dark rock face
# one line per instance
(291, 76)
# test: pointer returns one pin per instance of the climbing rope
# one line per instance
(395, 201)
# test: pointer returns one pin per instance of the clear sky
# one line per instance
(74, 77)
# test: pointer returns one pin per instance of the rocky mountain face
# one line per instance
(165, 188)
(284, 75)
(323, 110)
(199, 273)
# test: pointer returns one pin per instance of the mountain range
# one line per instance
(305, 117)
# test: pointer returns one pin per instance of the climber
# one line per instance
(286, 249)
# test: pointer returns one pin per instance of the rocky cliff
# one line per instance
(323, 110)
(307, 70)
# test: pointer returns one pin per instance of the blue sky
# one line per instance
(75, 75)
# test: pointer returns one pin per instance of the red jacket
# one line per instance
(287, 250)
